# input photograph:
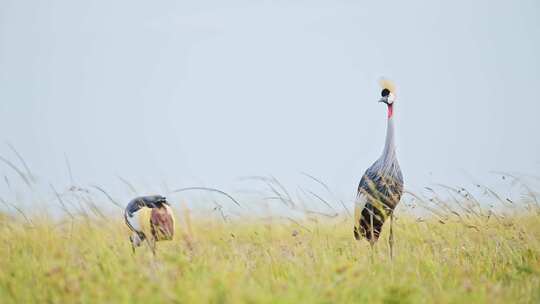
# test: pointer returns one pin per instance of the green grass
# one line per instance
(489, 260)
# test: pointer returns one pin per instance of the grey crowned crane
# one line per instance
(150, 218)
(381, 186)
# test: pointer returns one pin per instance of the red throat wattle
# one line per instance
(390, 111)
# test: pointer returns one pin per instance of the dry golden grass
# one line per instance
(89, 260)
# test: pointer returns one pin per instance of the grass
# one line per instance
(466, 259)
(460, 250)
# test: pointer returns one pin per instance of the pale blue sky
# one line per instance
(203, 92)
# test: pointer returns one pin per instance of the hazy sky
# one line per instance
(203, 92)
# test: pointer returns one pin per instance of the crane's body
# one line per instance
(149, 218)
(381, 186)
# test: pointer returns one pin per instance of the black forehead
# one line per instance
(385, 92)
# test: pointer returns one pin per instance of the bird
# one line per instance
(381, 186)
(151, 219)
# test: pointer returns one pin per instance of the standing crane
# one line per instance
(381, 186)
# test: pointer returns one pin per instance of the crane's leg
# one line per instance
(391, 237)
(151, 244)
(372, 239)
(154, 248)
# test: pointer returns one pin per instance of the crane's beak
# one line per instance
(384, 100)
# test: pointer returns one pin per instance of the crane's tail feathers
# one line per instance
(369, 222)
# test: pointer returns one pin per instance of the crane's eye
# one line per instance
(385, 92)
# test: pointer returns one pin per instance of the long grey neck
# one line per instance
(389, 152)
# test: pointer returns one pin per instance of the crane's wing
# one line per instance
(162, 222)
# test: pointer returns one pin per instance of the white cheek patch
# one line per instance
(391, 98)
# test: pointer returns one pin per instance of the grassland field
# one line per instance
(450, 258)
